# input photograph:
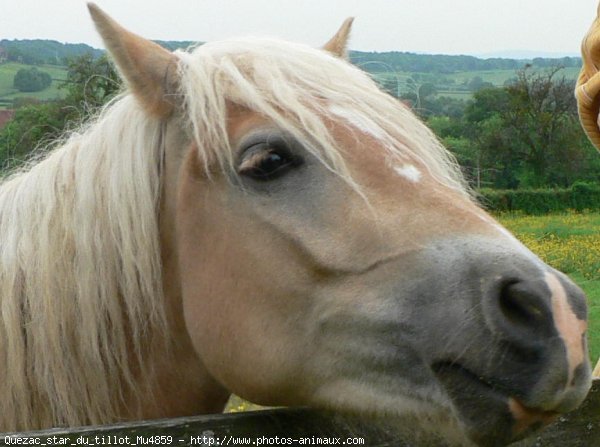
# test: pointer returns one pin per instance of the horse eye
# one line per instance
(265, 162)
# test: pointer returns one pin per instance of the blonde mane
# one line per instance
(80, 273)
(80, 266)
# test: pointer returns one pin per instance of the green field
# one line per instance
(592, 289)
(499, 77)
(8, 92)
(452, 84)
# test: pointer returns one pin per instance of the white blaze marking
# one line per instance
(409, 172)
(570, 328)
(361, 122)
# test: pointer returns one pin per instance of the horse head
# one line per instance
(320, 247)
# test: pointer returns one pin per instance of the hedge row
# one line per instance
(581, 196)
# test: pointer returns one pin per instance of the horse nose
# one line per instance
(524, 306)
(543, 317)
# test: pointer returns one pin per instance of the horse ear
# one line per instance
(338, 44)
(588, 84)
(148, 69)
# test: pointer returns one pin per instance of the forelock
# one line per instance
(297, 87)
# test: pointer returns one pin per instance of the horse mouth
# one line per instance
(492, 413)
(448, 367)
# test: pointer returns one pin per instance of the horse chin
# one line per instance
(417, 418)
(488, 414)
(466, 410)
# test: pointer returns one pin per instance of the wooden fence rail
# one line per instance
(578, 429)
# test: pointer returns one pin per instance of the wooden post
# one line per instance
(580, 428)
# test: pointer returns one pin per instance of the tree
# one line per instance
(486, 102)
(526, 134)
(477, 83)
(31, 80)
(31, 127)
(90, 83)
(419, 93)
(542, 116)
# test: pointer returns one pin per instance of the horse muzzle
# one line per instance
(513, 350)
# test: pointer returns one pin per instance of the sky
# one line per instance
(476, 27)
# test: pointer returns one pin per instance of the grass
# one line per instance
(8, 92)
(499, 77)
(570, 243)
(592, 289)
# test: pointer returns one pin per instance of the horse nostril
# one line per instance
(524, 304)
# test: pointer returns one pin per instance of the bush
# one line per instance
(31, 80)
(581, 196)
(31, 128)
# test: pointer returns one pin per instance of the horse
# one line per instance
(257, 217)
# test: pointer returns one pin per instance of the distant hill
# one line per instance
(173, 45)
(39, 51)
(524, 54)
(444, 64)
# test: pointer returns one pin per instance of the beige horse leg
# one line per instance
(596, 372)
